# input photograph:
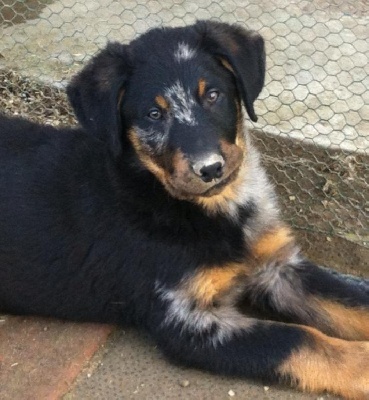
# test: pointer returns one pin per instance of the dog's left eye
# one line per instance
(212, 96)
(155, 114)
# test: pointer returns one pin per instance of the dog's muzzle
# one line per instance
(205, 176)
(209, 168)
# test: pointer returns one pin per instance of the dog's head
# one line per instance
(174, 94)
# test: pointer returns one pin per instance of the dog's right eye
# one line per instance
(212, 96)
(155, 114)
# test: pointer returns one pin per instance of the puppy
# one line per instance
(157, 213)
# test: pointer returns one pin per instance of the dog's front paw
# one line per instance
(329, 364)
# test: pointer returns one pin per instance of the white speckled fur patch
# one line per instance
(181, 103)
(181, 312)
(184, 52)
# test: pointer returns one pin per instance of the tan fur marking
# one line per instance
(272, 242)
(331, 364)
(201, 87)
(214, 204)
(169, 182)
(210, 283)
(161, 102)
(180, 163)
(146, 160)
(241, 142)
(220, 202)
(349, 323)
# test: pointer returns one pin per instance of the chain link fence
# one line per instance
(313, 126)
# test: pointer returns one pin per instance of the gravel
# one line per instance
(33, 100)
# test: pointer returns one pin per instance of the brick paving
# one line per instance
(40, 358)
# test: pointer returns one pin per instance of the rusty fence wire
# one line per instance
(313, 126)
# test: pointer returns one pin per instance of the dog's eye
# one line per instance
(155, 114)
(212, 96)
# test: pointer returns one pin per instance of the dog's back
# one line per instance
(56, 204)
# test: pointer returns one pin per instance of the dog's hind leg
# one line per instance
(221, 340)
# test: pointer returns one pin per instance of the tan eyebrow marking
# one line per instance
(160, 101)
(201, 87)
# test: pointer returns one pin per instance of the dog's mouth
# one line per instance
(220, 184)
(184, 184)
(213, 188)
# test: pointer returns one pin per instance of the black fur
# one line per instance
(110, 223)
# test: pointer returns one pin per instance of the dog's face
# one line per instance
(182, 113)
(176, 94)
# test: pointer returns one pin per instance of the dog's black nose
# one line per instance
(212, 171)
(209, 168)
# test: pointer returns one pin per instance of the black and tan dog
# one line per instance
(157, 213)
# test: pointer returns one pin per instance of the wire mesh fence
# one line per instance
(313, 126)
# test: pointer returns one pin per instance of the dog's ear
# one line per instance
(95, 94)
(242, 51)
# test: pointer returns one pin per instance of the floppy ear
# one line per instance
(96, 91)
(240, 50)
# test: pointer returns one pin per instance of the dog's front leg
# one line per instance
(218, 338)
(285, 285)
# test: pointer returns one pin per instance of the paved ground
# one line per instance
(41, 358)
(318, 68)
